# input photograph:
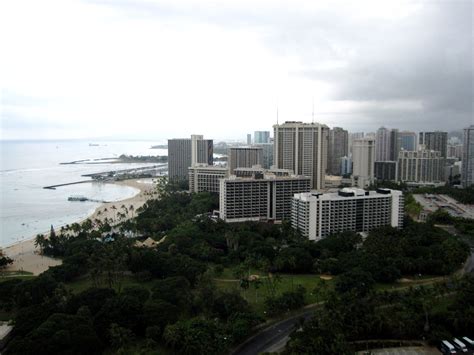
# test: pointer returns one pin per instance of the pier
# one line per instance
(53, 187)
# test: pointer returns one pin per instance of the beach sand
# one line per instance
(26, 257)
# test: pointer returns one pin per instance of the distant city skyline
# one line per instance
(158, 70)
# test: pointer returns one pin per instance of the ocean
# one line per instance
(27, 209)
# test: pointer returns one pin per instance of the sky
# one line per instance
(151, 69)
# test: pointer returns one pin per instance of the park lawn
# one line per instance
(288, 282)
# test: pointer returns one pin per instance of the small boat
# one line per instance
(77, 198)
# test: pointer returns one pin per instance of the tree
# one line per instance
(4, 260)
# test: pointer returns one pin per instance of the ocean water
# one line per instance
(27, 209)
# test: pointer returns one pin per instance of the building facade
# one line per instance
(267, 154)
(407, 140)
(244, 157)
(363, 161)
(205, 178)
(424, 166)
(338, 147)
(302, 148)
(386, 170)
(383, 144)
(437, 141)
(346, 165)
(318, 215)
(183, 153)
(467, 174)
(261, 137)
(259, 197)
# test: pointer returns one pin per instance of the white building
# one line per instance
(318, 215)
(363, 159)
(262, 196)
(302, 148)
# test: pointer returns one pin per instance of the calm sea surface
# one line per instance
(27, 209)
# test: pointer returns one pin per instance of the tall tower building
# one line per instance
(244, 157)
(249, 139)
(338, 147)
(383, 144)
(302, 148)
(261, 137)
(363, 159)
(407, 141)
(467, 175)
(186, 152)
(437, 141)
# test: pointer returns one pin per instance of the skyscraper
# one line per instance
(261, 137)
(467, 175)
(244, 157)
(437, 141)
(423, 165)
(383, 138)
(302, 148)
(363, 159)
(407, 140)
(249, 139)
(184, 153)
(338, 147)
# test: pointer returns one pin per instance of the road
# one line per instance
(274, 337)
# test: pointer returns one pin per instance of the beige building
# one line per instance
(244, 157)
(302, 148)
(363, 161)
(424, 166)
(205, 178)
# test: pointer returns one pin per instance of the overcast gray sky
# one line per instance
(163, 69)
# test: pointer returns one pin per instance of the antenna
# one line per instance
(312, 114)
(277, 112)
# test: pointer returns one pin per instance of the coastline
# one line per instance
(26, 256)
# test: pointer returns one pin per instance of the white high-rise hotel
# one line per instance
(318, 215)
(363, 159)
(302, 148)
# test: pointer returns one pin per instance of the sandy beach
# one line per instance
(26, 256)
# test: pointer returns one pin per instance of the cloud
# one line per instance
(219, 68)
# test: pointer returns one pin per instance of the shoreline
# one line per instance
(26, 256)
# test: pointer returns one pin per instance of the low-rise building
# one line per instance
(317, 215)
(205, 178)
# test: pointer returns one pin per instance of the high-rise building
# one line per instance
(383, 144)
(386, 170)
(455, 151)
(437, 141)
(302, 148)
(318, 215)
(262, 196)
(395, 145)
(185, 152)
(346, 165)
(407, 141)
(205, 178)
(338, 147)
(352, 137)
(244, 157)
(267, 154)
(467, 175)
(424, 166)
(363, 159)
(249, 139)
(261, 137)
